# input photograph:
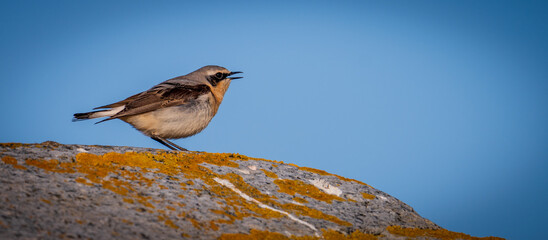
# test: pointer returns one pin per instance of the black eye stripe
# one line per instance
(217, 77)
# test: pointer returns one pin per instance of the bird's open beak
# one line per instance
(232, 73)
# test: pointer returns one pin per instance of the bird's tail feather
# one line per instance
(96, 114)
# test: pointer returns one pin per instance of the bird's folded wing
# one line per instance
(157, 98)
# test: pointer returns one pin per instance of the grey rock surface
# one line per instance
(52, 191)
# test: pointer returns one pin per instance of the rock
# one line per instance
(52, 191)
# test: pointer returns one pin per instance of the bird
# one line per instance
(176, 108)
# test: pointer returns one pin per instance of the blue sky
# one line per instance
(440, 104)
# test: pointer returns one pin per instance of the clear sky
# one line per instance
(442, 104)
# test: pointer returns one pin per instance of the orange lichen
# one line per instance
(127, 221)
(368, 196)
(170, 223)
(356, 235)
(322, 172)
(270, 174)
(326, 235)
(437, 233)
(213, 226)
(83, 181)
(253, 234)
(297, 186)
(251, 191)
(46, 201)
(313, 213)
(300, 200)
(52, 165)
(13, 162)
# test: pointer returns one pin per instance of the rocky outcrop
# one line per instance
(53, 191)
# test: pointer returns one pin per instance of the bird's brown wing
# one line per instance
(121, 103)
(157, 98)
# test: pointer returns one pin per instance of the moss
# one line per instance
(438, 233)
(368, 196)
(292, 187)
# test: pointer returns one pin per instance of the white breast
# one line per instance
(174, 122)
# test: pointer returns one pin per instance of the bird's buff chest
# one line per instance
(174, 122)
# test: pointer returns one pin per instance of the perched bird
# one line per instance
(177, 108)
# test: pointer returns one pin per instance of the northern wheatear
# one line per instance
(177, 108)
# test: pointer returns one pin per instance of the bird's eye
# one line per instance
(219, 75)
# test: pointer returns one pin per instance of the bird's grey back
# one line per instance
(194, 78)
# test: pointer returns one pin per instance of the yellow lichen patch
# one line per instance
(127, 221)
(167, 221)
(253, 235)
(322, 172)
(326, 235)
(251, 191)
(46, 201)
(297, 186)
(13, 162)
(213, 226)
(195, 223)
(300, 200)
(438, 233)
(368, 196)
(313, 213)
(52, 165)
(83, 181)
(270, 174)
(356, 235)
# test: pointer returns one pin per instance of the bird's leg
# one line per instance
(168, 143)
(174, 145)
(162, 142)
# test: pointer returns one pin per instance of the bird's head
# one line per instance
(218, 78)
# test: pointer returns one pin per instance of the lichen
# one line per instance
(270, 174)
(326, 235)
(322, 172)
(300, 200)
(368, 196)
(442, 234)
(13, 162)
(292, 187)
